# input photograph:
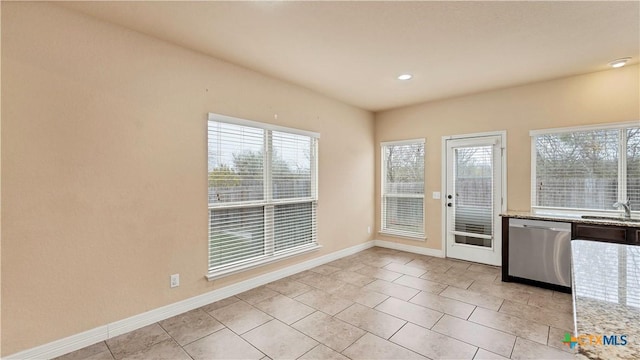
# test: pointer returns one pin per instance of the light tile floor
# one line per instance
(376, 304)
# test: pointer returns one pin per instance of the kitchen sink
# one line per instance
(614, 218)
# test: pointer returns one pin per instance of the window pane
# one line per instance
(236, 158)
(294, 225)
(291, 165)
(404, 169)
(403, 214)
(577, 170)
(403, 188)
(633, 167)
(235, 235)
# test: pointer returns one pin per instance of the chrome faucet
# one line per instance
(626, 206)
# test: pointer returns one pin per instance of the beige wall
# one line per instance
(104, 162)
(0, 189)
(104, 169)
(607, 96)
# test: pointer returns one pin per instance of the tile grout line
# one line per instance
(348, 346)
(310, 350)
(395, 343)
(456, 339)
(476, 353)
(548, 335)
(108, 348)
(180, 345)
(202, 337)
(513, 348)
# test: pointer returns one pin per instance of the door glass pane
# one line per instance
(473, 185)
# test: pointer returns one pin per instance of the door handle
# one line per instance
(449, 196)
(449, 204)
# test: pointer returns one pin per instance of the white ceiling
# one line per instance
(353, 51)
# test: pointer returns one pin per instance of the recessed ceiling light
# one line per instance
(619, 62)
(405, 77)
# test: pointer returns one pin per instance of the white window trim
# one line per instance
(261, 125)
(405, 235)
(247, 264)
(396, 233)
(618, 125)
(576, 212)
(403, 142)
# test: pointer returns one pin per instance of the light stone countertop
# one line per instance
(567, 218)
(606, 295)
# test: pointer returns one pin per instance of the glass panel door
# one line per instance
(473, 199)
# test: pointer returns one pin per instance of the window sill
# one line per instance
(418, 237)
(254, 264)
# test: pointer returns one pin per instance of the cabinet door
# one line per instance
(600, 233)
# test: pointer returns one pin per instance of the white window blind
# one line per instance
(262, 193)
(474, 191)
(587, 169)
(633, 167)
(403, 188)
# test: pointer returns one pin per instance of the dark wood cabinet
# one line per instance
(605, 233)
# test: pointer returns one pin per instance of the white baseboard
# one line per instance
(78, 341)
(63, 346)
(409, 248)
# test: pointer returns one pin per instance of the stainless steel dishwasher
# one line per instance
(540, 250)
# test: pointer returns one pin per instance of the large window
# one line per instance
(262, 193)
(403, 188)
(586, 169)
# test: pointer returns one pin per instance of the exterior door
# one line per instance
(473, 199)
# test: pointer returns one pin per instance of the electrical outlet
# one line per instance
(175, 280)
(368, 229)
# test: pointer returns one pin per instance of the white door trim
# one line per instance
(443, 178)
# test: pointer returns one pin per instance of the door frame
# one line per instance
(443, 180)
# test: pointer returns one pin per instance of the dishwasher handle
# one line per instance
(526, 226)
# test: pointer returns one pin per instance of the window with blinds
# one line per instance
(262, 193)
(586, 169)
(403, 188)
